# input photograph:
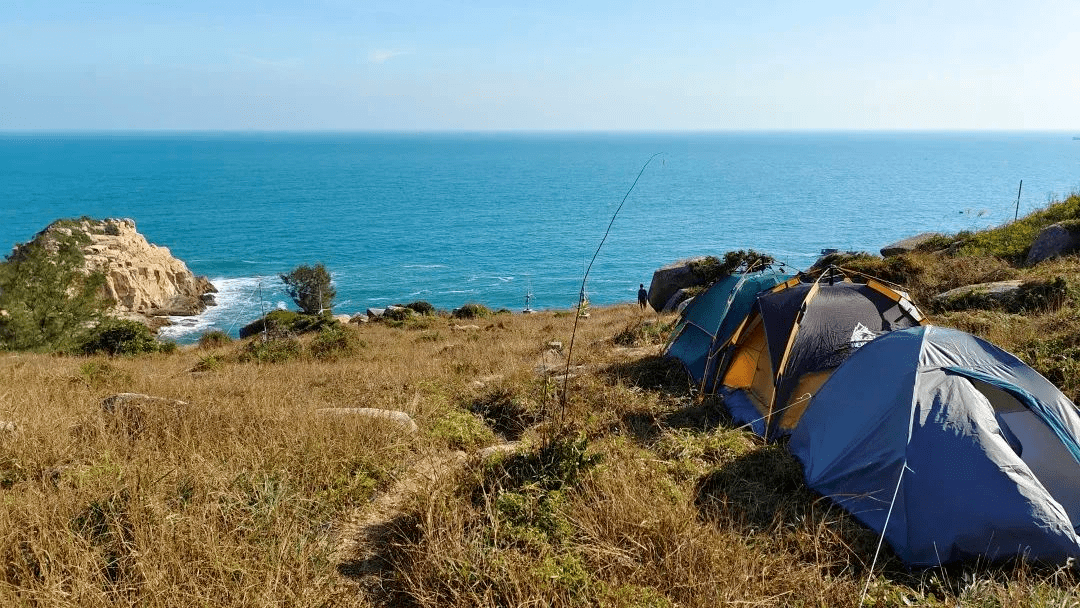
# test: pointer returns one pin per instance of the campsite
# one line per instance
(548, 459)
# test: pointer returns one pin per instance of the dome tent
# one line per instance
(713, 315)
(794, 336)
(949, 446)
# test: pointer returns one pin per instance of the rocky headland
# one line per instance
(142, 280)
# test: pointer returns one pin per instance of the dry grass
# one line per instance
(635, 493)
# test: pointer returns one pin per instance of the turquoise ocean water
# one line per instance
(457, 218)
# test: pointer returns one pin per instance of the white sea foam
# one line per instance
(239, 301)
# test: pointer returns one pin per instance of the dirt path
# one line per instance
(363, 537)
(361, 552)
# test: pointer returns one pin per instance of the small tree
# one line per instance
(310, 288)
(46, 297)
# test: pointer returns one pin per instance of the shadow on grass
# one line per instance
(653, 373)
(373, 566)
(647, 426)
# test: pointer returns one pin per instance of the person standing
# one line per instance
(642, 296)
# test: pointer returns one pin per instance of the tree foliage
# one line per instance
(711, 268)
(310, 288)
(122, 337)
(46, 297)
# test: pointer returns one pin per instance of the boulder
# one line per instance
(677, 299)
(375, 313)
(998, 291)
(395, 417)
(908, 244)
(670, 279)
(1053, 241)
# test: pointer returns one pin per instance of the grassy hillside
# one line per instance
(636, 492)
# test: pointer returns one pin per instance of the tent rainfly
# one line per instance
(948, 446)
(795, 335)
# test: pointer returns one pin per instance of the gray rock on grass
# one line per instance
(395, 417)
(908, 244)
(1053, 241)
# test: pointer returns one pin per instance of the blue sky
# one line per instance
(628, 65)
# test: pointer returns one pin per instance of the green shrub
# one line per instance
(209, 363)
(471, 311)
(274, 347)
(214, 339)
(398, 313)
(287, 321)
(461, 430)
(334, 342)
(711, 269)
(122, 337)
(421, 307)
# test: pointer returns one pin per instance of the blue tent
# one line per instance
(950, 446)
(712, 316)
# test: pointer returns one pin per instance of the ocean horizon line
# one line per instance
(79, 131)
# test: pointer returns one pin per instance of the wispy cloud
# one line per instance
(382, 55)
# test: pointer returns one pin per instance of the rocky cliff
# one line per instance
(142, 279)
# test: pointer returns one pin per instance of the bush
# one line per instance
(214, 339)
(421, 307)
(471, 311)
(122, 337)
(398, 313)
(275, 347)
(334, 342)
(310, 288)
(287, 321)
(711, 268)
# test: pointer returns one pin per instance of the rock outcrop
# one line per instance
(142, 279)
(908, 244)
(667, 281)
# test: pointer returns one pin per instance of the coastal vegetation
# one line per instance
(237, 486)
(310, 288)
(46, 300)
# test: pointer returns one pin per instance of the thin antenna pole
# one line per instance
(262, 312)
(1017, 215)
(581, 294)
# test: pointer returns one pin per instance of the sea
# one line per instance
(513, 219)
